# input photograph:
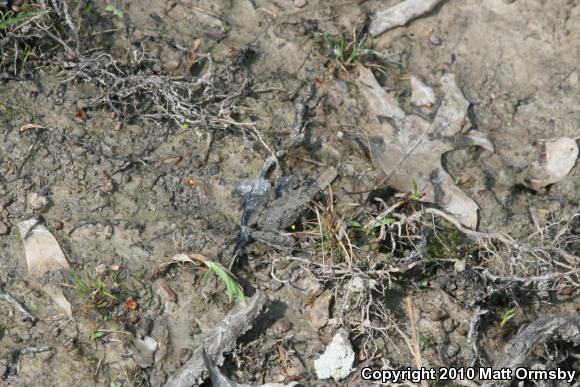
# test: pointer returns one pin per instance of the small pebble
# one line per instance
(292, 372)
(437, 315)
(4, 229)
(215, 158)
(435, 40)
(108, 186)
(300, 3)
(38, 202)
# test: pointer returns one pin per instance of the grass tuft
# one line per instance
(94, 292)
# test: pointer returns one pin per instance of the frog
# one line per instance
(269, 213)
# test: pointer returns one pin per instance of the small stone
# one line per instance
(293, 372)
(435, 40)
(437, 315)
(215, 158)
(37, 201)
(453, 350)
(337, 360)
(300, 3)
(108, 186)
(509, 1)
(4, 229)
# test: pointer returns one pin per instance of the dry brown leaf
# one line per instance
(557, 159)
(408, 148)
(44, 255)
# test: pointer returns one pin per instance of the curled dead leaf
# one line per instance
(408, 149)
(557, 159)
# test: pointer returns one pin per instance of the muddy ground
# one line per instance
(133, 177)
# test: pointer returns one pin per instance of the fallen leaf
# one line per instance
(557, 159)
(320, 312)
(131, 304)
(421, 94)
(400, 15)
(408, 149)
(44, 255)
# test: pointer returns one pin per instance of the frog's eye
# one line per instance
(293, 227)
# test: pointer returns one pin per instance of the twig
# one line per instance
(18, 305)
(219, 339)
(416, 350)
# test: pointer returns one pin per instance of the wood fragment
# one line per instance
(218, 340)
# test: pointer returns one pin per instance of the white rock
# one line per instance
(37, 201)
(337, 360)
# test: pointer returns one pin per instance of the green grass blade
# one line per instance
(8, 21)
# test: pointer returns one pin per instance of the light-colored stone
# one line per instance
(337, 360)
(300, 3)
(37, 201)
